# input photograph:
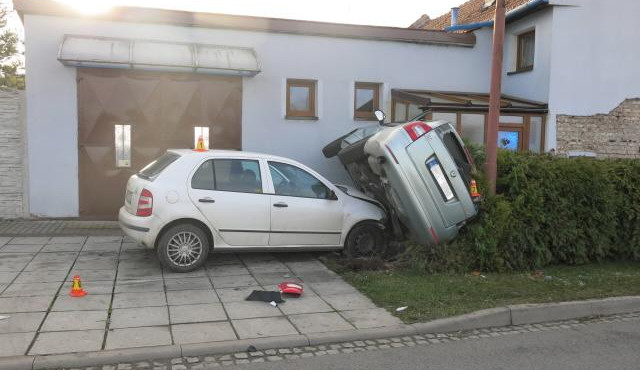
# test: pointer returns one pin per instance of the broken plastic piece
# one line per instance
(265, 296)
(288, 287)
(400, 309)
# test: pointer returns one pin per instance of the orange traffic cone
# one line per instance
(200, 145)
(474, 189)
(76, 288)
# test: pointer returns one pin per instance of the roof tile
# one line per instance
(470, 12)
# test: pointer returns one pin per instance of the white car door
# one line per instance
(229, 193)
(304, 211)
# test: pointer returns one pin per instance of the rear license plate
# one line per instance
(436, 170)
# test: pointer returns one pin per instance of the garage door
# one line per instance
(127, 118)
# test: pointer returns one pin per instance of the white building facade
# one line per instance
(77, 111)
(336, 63)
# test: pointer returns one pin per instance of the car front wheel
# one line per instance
(183, 248)
(365, 240)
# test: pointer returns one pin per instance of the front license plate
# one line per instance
(436, 170)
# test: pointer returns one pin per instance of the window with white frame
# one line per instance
(123, 145)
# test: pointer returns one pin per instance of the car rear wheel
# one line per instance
(183, 248)
(365, 240)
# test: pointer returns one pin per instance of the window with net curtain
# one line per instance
(526, 51)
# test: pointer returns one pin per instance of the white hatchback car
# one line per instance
(188, 202)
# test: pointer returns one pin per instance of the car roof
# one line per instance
(226, 153)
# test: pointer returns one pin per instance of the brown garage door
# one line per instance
(160, 110)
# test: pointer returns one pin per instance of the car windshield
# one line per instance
(154, 168)
(361, 133)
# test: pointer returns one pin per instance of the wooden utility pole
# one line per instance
(491, 165)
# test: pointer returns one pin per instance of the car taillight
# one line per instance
(145, 203)
(416, 129)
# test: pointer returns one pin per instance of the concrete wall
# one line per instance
(12, 157)
(336, 63)
(616, 134)
(595, 57)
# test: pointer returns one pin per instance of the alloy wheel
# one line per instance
(184, 249)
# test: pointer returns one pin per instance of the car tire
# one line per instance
(365, 240)
(183, 248)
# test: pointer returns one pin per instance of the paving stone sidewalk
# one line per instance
(133, 302)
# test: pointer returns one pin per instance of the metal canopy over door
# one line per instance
(158, 111)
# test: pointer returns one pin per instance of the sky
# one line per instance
(395, 13)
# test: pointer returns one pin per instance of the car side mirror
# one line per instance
(380, 116)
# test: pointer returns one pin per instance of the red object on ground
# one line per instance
(290, 288)
(76, 288)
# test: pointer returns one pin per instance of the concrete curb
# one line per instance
(105, 357)
(231, 346)
(17, 363)
(536, 313)
(316, 339)
(494, 317)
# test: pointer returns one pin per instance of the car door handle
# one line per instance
(206, 200)
(281, 205)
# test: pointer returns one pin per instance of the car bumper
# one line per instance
(143, 230)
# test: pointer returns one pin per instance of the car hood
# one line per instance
(355, 193)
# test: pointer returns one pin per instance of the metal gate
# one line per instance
(128, 118)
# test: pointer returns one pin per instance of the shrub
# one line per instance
(548, 210)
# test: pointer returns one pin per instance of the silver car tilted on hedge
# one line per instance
(420, 170)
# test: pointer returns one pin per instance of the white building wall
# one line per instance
(336, 63)
(532, 84)
(595, 57)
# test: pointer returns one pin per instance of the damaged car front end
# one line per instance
(420, 171)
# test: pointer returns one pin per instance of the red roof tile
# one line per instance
(470, 12)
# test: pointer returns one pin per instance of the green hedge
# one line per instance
(549, 210)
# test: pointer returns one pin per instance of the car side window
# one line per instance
(292, 181)
(239, 175)
(204, 177)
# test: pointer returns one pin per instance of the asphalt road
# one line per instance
(597, 346)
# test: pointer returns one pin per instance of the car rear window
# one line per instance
(454, 148)
(154, 168)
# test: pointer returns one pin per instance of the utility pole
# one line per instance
(491, 165)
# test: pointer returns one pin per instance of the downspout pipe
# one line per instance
(513, 13)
